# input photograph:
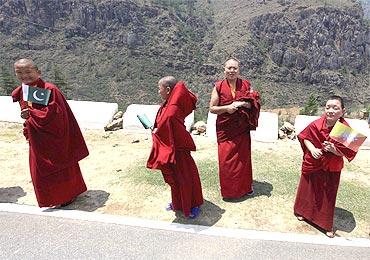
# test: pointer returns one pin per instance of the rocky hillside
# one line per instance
(110, 50)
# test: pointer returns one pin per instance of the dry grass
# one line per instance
(119, 183)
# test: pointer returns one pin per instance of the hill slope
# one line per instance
(110, 50)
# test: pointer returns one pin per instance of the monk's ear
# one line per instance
(168, 90)
(344, 111)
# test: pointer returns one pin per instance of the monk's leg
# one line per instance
(316, 197)
(187, 191)
(235, 167)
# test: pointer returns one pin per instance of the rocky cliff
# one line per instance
(110, 50)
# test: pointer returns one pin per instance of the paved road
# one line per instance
(26, 236)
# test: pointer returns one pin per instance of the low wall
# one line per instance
(89, 114)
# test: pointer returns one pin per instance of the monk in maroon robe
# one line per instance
(55, 141)
(321, 168)
(172, 145)
(237, 107)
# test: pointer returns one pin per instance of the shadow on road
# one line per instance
(209, 215)
(261, 188)
(344, 220)
(11, 194)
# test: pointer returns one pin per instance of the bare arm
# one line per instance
(231, 108)
(316, 152)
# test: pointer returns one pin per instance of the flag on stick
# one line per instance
(144, 120)
(347, 136)
(36, 95)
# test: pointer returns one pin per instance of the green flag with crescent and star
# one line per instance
(36, 95)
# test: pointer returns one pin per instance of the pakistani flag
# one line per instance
(36, 95)
(347, 136)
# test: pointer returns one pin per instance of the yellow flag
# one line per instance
(347, 136)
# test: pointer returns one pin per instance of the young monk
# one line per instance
(237, 107)
(172, 144)
(55, 141)
(321, 168)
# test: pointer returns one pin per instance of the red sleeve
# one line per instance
(50, 118)
(252, 114)
(171, 135)
(54, 135)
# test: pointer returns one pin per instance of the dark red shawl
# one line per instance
(317, 133)
(53, 131)
(170, 133)
(228, 125)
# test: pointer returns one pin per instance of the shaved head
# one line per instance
(233, 60)
(25, 63)
(168, 81)
(26, 71)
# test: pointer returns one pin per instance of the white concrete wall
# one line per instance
(132, 123)
(93, 115)
(302, 121)
(9, 111)
(267, 130)
(89, 114)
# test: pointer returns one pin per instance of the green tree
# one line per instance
(60, 80)
(310, 107)
(8, 82)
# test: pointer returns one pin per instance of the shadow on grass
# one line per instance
(210, 214)
(11, 194)
(344, 220)
(261, 188)
(89, 201)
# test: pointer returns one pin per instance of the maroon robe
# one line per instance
(233, 138)
(56, 145)
(318, 186)
(170, 153)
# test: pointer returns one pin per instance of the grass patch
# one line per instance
(354, 198)
(142, 175)
(275, 175)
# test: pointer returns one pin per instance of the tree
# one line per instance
(310, 107)
(60, 80)
(8, 82)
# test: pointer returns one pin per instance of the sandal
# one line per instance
(330, 234)
(194, 213)
(169, 207)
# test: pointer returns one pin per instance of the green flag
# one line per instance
(144, 120)
(37, 95)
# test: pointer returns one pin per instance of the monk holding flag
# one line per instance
(56, 144)
(237, 107)
(347, 136)
(172, 145)
(321, 168)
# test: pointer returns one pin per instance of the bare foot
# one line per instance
(330, 234)
(300, 218)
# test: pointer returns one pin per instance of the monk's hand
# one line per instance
(329, 147)
(238, 104)
(247, 104)
(25, 113)
(231, 108)
(316, 153)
